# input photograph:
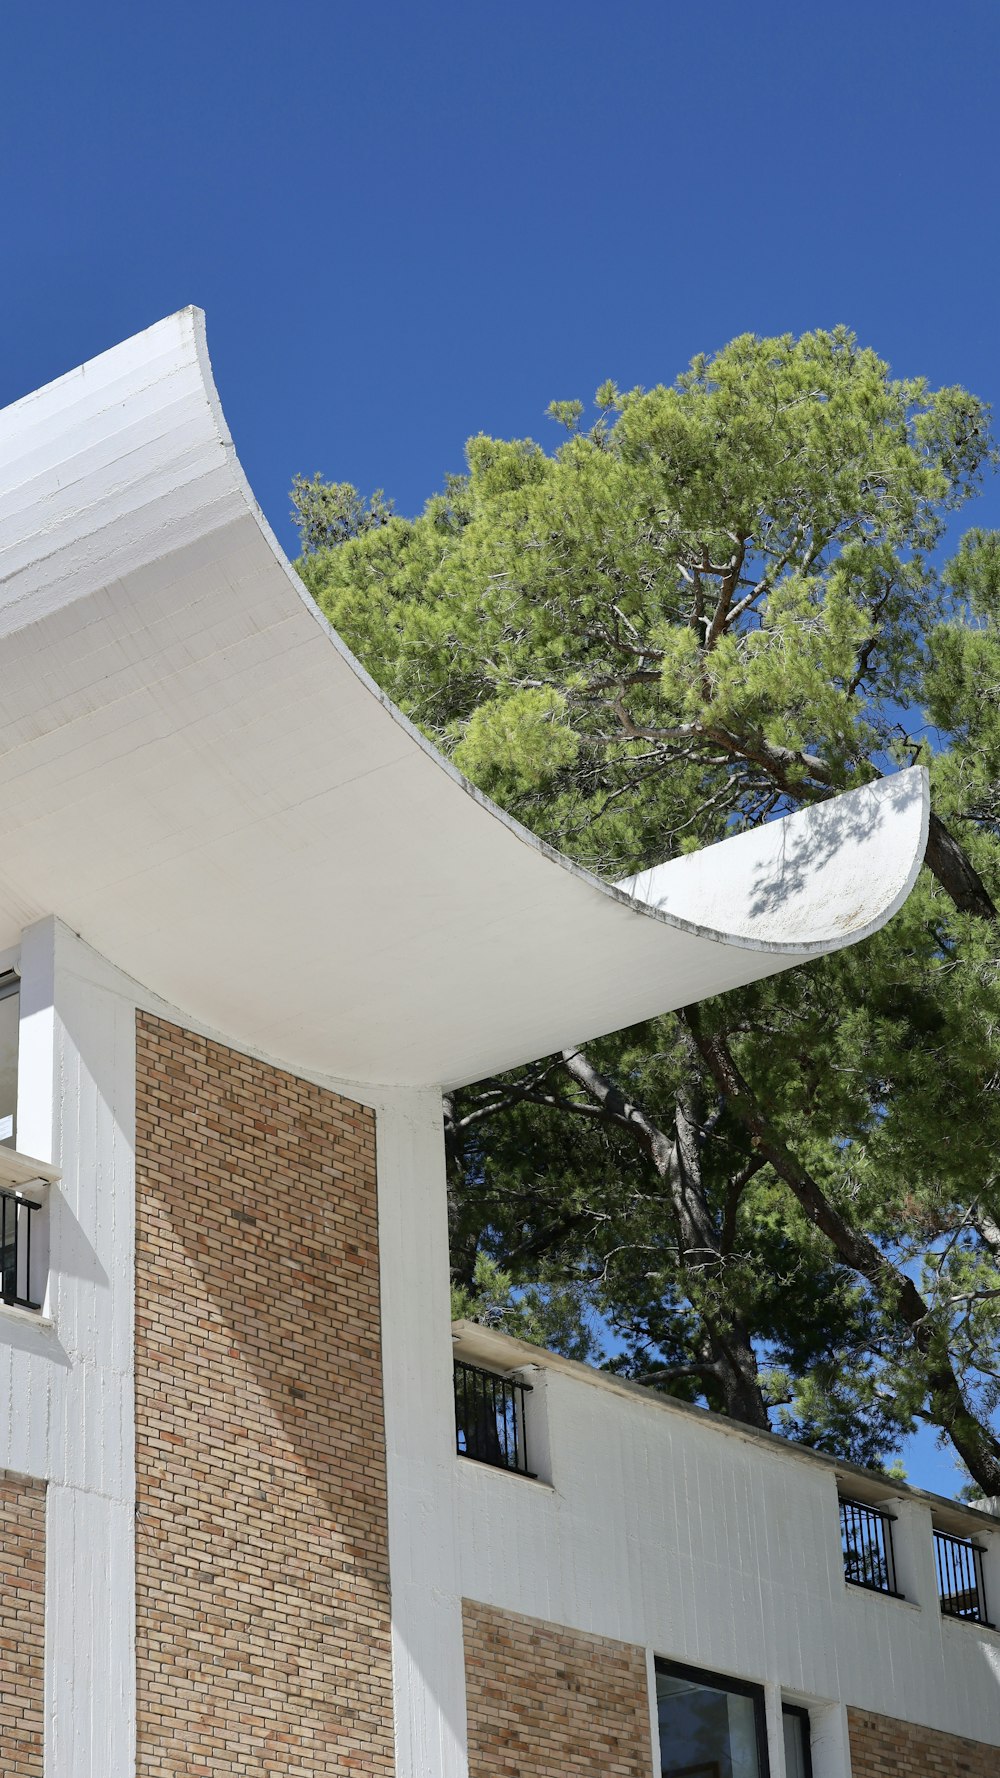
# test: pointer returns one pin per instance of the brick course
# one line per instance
(882, 1747)
(547, 1702)
(262, 1618)
(22, 1625)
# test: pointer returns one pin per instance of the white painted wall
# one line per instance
(721, 1551)
(660, 1528)
(66, 1394)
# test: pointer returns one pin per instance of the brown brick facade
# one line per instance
(882, 1747)
(262, 1620)
(547, 1702)
(22, 1625)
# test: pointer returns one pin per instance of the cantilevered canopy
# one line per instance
(197, 776)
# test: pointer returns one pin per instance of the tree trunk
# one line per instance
(731, 1362)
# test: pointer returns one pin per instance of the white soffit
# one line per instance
(198, 777)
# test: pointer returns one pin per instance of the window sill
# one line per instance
(514, 1475)
(20, 1171)
(27, 1317)
(854, 1591)
(970, 1623)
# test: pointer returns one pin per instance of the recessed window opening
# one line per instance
(490, 1418)
(961, 1590)
(710, 1727)
(866, 1541)
(795, 1729)
(10, 1005)
(17, 1215)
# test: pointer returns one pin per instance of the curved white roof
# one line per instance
(198, 777)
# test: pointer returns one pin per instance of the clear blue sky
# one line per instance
(408, 223)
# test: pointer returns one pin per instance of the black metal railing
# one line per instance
(489, 1418)
(960, 1577)
(866, 1540)
(15, 1250)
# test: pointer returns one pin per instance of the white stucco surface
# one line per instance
(660, 1528)
(201, 781)
(651, 1524)
(66, 1383)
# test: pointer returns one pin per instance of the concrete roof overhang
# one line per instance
(198, 777)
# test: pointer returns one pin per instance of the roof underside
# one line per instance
(198, 778)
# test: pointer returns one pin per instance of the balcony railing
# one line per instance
(866, 1540)
(490, 1419)
(960, 1577)
(16, 1213)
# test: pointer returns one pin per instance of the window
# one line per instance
(17, 1268)
(9, 1011)
(709, 1727)
(795, 1728)
(490, 1418)
(960, 1577)
(866, 1540)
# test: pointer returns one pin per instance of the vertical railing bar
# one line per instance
(524, 1433)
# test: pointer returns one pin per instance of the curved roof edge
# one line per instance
(193, 764)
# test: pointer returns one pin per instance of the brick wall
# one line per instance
(262, 1622)
(22, 1625)
(882, 1747)
(547, 1702)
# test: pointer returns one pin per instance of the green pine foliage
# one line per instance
(723, 599)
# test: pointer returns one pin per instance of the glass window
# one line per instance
(709, 1727)
(10, 1002)
(795, 1723)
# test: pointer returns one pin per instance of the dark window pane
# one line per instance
(796, 1727)
(707, 1730)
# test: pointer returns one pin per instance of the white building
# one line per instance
(250, 925)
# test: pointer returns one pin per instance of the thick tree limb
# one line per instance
(958, 877)
(977, 1446)
(677, 1160)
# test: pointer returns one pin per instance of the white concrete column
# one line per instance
(831, 1747)
(36, 1062)
(775, 1730)
(990, 1541)
(654, 1716)
(539, 1443)
(428, 1653)
(913, 1549)
(90, 1692)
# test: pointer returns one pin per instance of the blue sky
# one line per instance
(411, 223)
